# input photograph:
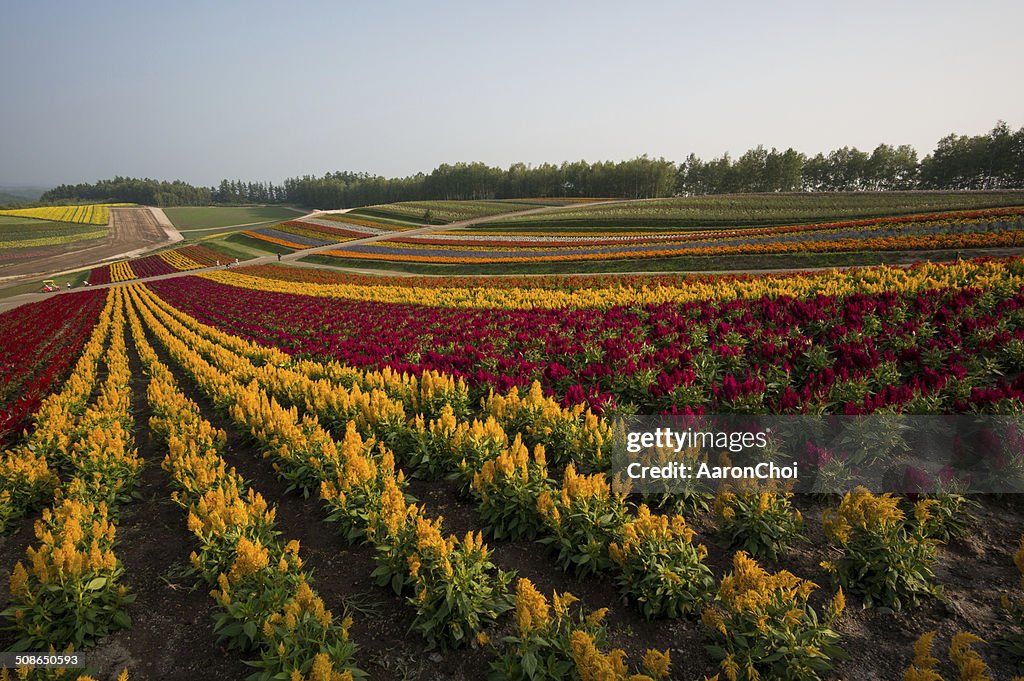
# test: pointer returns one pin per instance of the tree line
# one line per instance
(994, 160)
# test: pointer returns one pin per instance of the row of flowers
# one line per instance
(1007, 273)
(14, 250)
(588, 526)
(313, 275)
(482, 237)
(853, 244)
(604, 282)
(328, 233)
(302, 234)
(28, 470)
(359, 221)
(69, 593)
(931, 339)
(42, 342)
(450, 581)
(93, 214)
(166, 262)
(267, 608)
(287, 240)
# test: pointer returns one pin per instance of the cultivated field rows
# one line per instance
(388, 454)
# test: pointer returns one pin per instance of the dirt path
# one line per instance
(165, 224)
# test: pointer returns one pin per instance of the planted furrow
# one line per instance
(580, 521)
(28, 472)
(456, 590)
(267, 607)
(69, 593)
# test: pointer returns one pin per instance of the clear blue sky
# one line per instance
(199, 91)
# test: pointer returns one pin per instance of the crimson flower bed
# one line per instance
(42, 341)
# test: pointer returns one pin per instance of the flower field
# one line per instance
(93, 214)
(993, 228)
(751, 333)
(748, 210)
(442, 212)
(41, 342)
(166, 262)
(301, 234)
(26, 238)
(378, 478)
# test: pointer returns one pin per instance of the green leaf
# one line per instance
(530, 664)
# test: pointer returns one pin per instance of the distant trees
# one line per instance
(758, 170)
(640, 178)
(131, 190)
(991, 161)
(236, 191)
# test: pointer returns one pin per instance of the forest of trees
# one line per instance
(994, 160)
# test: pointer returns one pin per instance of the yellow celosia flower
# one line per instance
(591, 664)
(657, 663)
(730, 668)
(532, 610)
(838, 602)
(860, 509)
(561, 603)
(19, 581)
(250, 557)
(546, 508)
(966, 659)
(711, 619)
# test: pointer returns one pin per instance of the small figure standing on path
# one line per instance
(279, 257)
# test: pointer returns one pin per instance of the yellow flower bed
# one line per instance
(69, 595)
(52, 240)
(259, 578)
(1001, 276)
(92, 214)
(121, 271)
(179, 261)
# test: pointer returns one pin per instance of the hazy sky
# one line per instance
(200, 91)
